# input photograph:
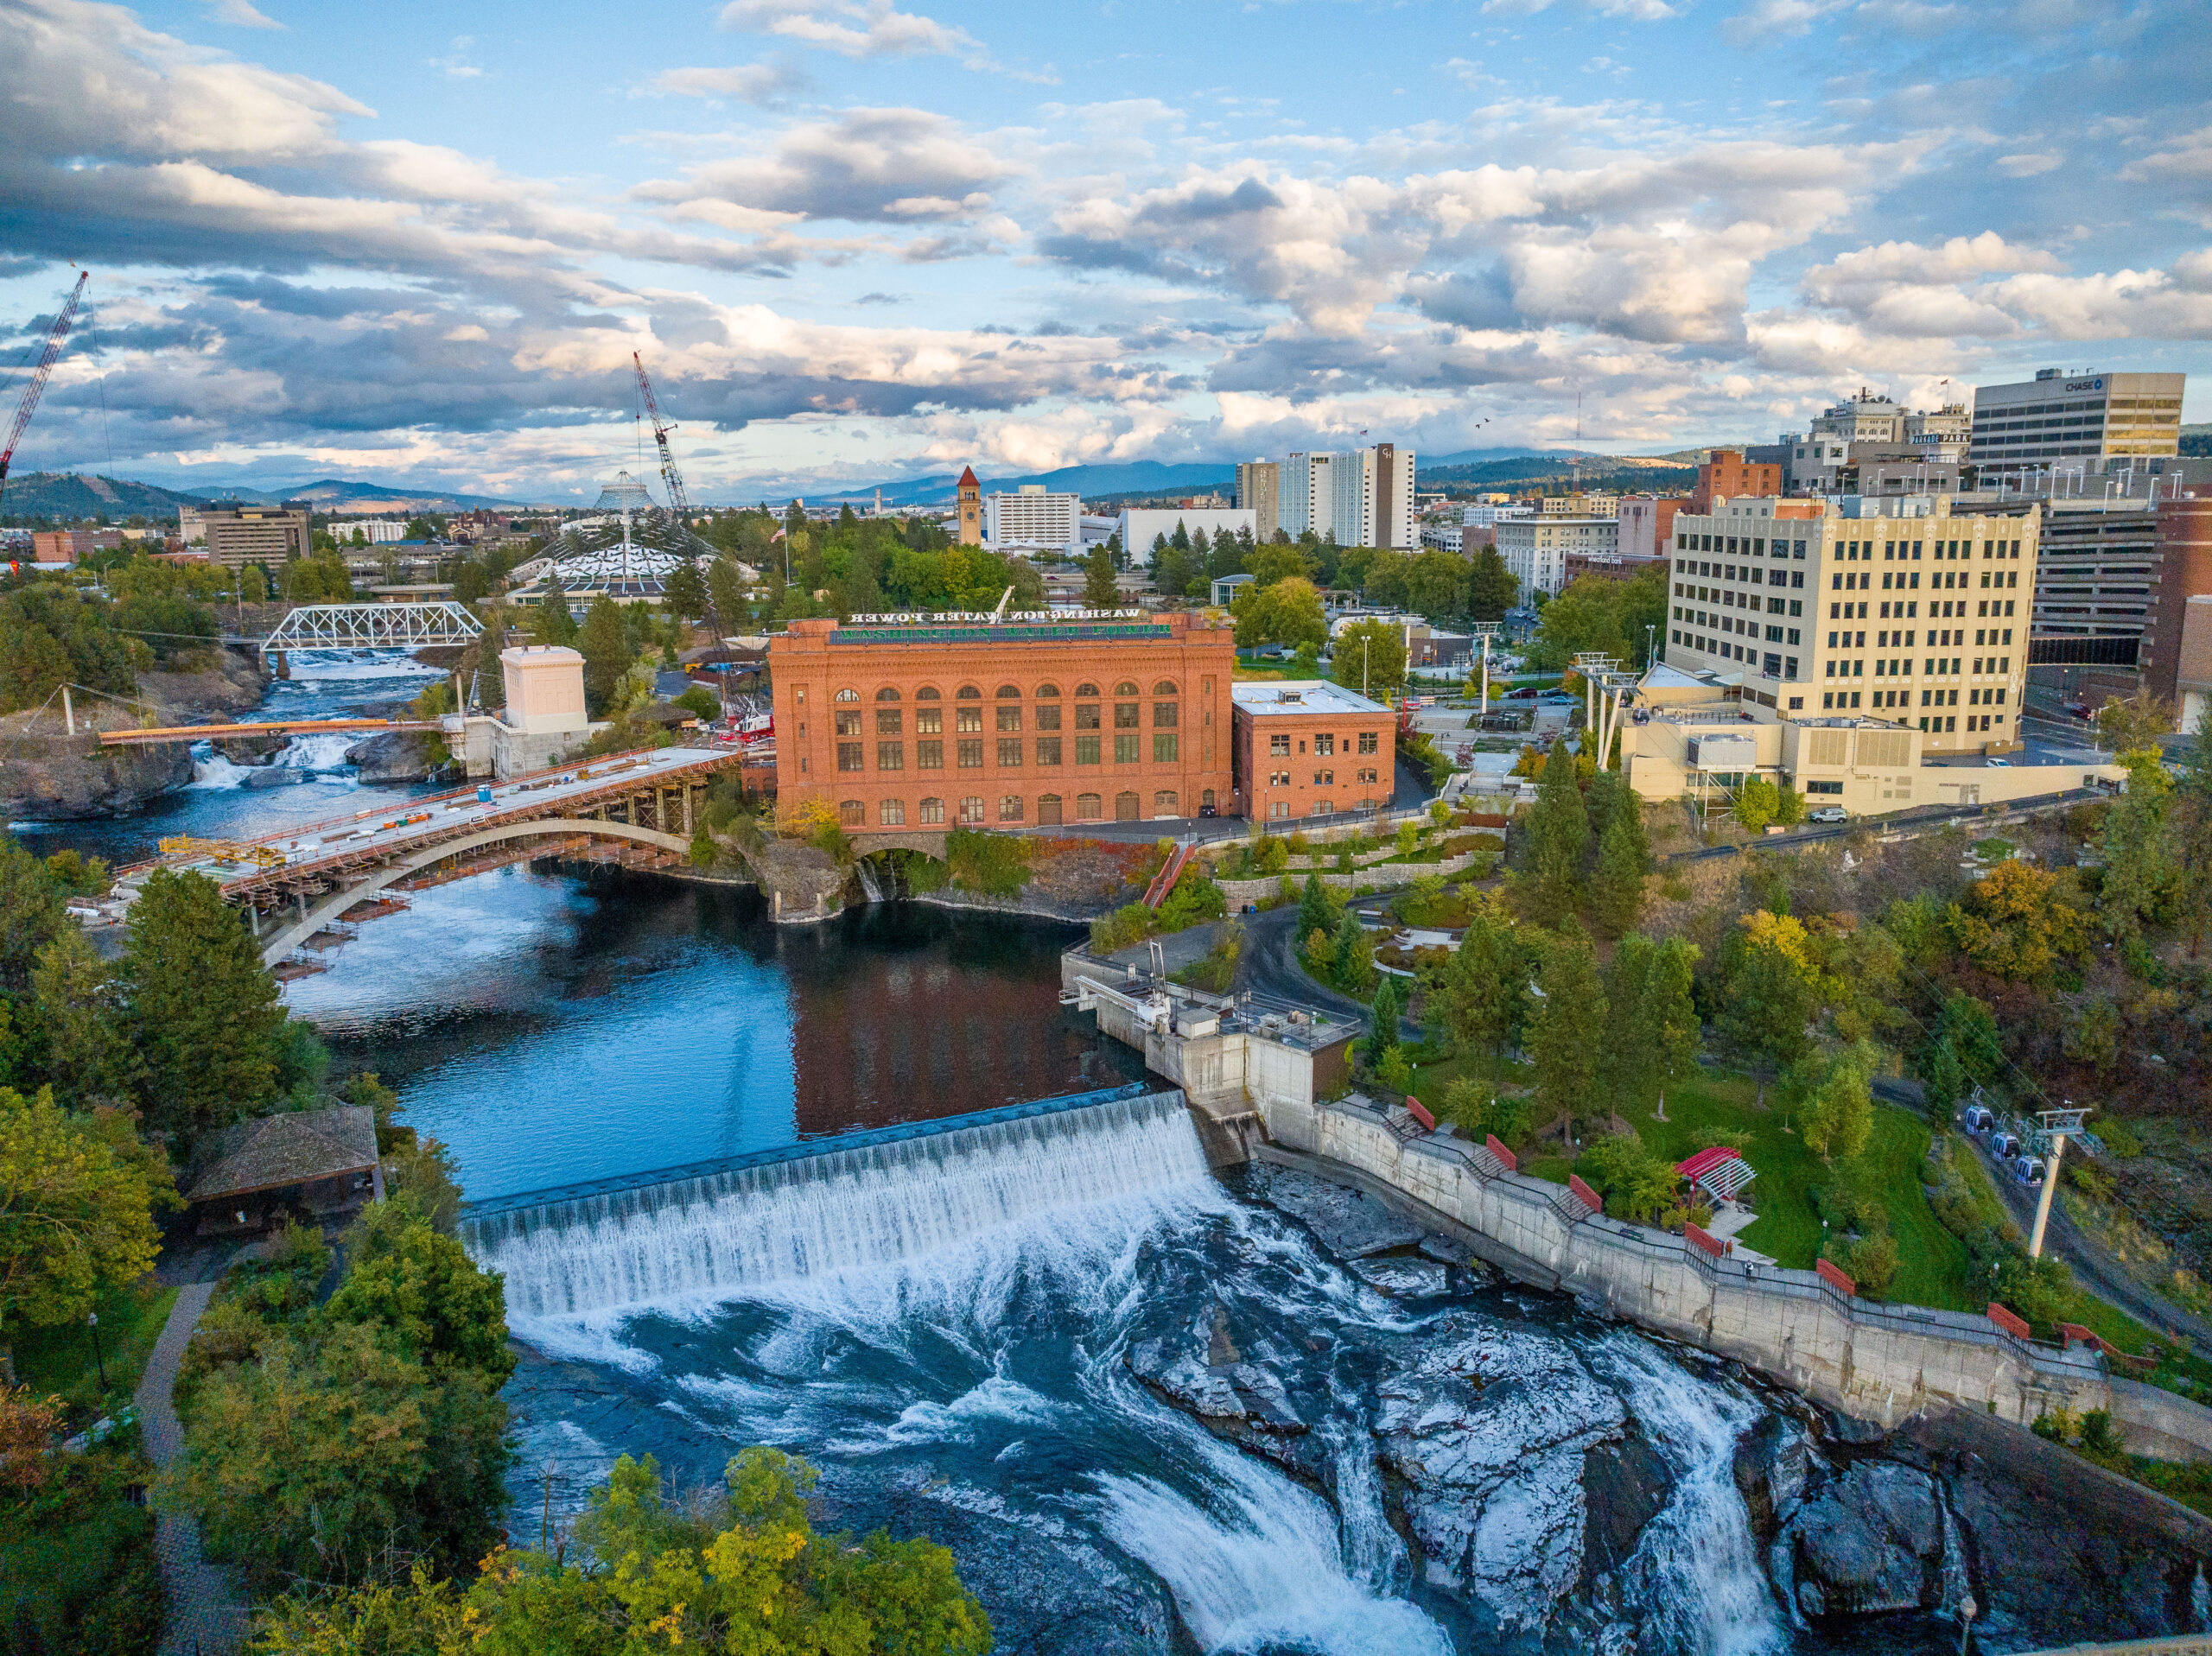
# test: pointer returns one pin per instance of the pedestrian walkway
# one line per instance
(207, 1615)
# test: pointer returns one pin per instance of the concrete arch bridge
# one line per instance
(643, 806)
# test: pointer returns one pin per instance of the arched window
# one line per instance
(891, 813)
(1165, 687)
(1009, 693)
(1126, 687)
(968, 693)
(932, 810)
(1087, 690)
(1048, 811)
(1048, 692)
(927, 693)
(1089, 808)
(1125, 807)
(1009, 807)
(887, 694)
(1163, 803)
(851, 813)
(972, 811)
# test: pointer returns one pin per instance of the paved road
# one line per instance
(1269, 965)
(1922, 817)
(206, 1616)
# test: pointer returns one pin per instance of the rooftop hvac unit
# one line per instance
(1730, 752)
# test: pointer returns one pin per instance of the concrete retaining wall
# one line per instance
(1379, 877)
(1875, 1361)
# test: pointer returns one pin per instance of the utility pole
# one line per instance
(2057, 1124)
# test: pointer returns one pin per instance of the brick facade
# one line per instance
(1012, 725)
(1728, 476)
(1311, 750)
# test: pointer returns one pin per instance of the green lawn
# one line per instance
(59, 1361)
(1788, 1225)
(1932, 1265)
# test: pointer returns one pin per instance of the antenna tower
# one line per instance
(678, 502)
(41, 374)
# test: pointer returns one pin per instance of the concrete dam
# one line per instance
(860, 1200)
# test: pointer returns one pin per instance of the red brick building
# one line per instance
(1312, 748)
(2184, 570)
(916, 723)
(1727, 476)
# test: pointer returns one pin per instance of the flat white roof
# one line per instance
(1258, 697)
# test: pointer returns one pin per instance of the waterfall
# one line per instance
(317, 753)
(864, 1202)
(867, 880)
(1695, 1569)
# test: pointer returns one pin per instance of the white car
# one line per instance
(1999, 764)
(1829, 814)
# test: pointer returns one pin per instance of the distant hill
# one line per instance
(1136, 477)
(1596, 472)
(67, 496)
(2196, 439)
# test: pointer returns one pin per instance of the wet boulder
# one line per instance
(1773, 1460)
(1404, 1277)
(1242, 1402)
(1485, 1440)
(1870, 1541)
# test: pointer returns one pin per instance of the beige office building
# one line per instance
(237, 535)
(1259, 490)
(2075, 421)
(1914, 616)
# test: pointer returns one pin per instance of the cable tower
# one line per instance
(44, 371)
(678, 502)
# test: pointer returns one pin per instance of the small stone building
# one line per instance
(316, 1164)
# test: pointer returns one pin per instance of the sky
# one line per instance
(856, 240)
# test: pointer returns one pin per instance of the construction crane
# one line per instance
(678, 502)
(43, 372)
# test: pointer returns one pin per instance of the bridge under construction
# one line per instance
(639, 808)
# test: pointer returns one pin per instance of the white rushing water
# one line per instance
(868, 886)
(1701, 1585)
(711, 1238)
(317, 752)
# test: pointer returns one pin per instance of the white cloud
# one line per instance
(2028, 166)
(241, 14)
(853, 28)
(749, 83)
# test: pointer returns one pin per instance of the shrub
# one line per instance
(988, 865)
(1125, 927)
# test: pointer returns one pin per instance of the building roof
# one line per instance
(297, 1148)
(1261, 699)
(967, 479)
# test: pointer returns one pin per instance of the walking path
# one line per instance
(206, 1616)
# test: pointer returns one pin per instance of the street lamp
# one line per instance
(93, 1322)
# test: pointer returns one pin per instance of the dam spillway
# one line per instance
(864, 1200)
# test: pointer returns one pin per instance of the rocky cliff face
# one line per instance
(400, 756)
(59, 779)
(227, 682)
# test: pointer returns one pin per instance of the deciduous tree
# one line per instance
(2017, 923)
(77, 1200)
(1369, 657)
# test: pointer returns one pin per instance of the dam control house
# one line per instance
(925, 722)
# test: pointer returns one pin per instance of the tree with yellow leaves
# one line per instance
(2017, 923)
(77, 1200)
(749, 1576)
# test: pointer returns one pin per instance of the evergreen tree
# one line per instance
(1771, 996)
(551, 624)
(605, 643)
(1573, 1005)
(32, 903)
(686, 592)
(1382, 1034)
(1490, 587)
(1315, 911)
(89, 1060)
(1481, 996)
(1616, 889)
(1099, 591)
(1669, 1020)
(1559, 833)
(1355, 955)
(202, 1008)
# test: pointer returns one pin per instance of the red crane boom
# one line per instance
(43, 372)
(678, 502)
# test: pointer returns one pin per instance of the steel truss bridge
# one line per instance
(374, 627)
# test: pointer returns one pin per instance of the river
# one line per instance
(1026, 1388)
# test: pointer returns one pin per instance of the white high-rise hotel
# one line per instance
(1362, 498)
